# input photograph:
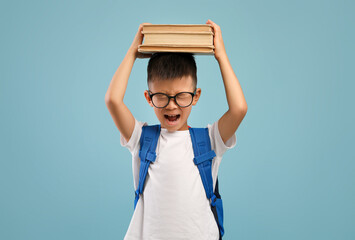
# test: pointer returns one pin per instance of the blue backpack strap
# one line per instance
(203, 159)
(148, 143)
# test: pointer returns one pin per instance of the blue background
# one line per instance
(63, 173)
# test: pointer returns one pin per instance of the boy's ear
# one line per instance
(146, 95)
(197, 96)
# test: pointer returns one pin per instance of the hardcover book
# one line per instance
(191, 38)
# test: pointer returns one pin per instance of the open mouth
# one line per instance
(172, 118)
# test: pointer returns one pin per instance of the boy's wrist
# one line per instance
(222, 57)
(132, 53)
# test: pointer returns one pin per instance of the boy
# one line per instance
(174, 204)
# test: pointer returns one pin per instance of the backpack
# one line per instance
(203, 156)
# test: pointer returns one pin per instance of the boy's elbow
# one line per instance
(241, 110)
(245, 109)
(109, 100)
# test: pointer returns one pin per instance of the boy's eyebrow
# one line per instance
(171, 93)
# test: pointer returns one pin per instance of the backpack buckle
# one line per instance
(151, 156)
(147, 155)
(204, 157)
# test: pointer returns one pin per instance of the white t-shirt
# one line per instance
(174, 205)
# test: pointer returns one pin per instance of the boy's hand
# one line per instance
(219, 50)
(138, 39)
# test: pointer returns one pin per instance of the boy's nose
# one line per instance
(172, 104)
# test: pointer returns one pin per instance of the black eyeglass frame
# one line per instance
(174, 97)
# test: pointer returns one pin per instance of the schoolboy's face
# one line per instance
(173, 117)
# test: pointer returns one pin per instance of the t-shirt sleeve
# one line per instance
(217, 143)
(133, 142)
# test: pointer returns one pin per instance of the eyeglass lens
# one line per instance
(182, 99)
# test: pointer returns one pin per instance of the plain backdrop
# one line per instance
(63, 173)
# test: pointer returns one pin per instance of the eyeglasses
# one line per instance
(182, 99)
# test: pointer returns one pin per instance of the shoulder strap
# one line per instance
(148, 143)
(203, 159)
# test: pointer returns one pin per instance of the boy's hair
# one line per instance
(171, 65)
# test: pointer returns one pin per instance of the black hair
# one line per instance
(171, 65)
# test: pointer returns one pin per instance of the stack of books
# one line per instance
(191, 38)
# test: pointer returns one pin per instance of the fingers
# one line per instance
(141, 25)
(215, 26)
(140, 28)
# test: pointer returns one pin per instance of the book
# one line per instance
(191, 38)
(178, 27)
(176, 48)
(178, 38)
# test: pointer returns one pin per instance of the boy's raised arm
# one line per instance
(120, 113)
(230, 121)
